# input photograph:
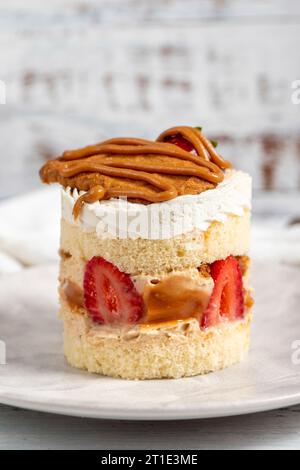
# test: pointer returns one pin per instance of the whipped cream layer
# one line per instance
(118, 218)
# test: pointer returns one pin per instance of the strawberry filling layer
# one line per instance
(113, 297)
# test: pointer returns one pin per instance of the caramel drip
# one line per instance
(94, 194)
(120, 158)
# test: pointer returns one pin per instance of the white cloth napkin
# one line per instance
(29, 229)
(29, 233)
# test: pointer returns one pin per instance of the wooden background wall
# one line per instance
(77, 71)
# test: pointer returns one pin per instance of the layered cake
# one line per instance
(154, 266)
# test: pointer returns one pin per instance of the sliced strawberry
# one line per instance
(181, 142)
(109, 294)
(227, 298)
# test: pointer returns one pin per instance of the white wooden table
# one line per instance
(20, 429)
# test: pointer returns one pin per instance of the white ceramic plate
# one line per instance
(37, 377)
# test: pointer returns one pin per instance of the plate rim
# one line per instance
(247, 407)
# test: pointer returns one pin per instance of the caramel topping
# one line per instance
(142, 170)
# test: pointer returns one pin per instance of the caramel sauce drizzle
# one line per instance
(112, 158)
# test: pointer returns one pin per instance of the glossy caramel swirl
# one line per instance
(141, 170)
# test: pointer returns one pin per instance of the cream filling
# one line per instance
(185, 327)
(118, 218)
(132, 332)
